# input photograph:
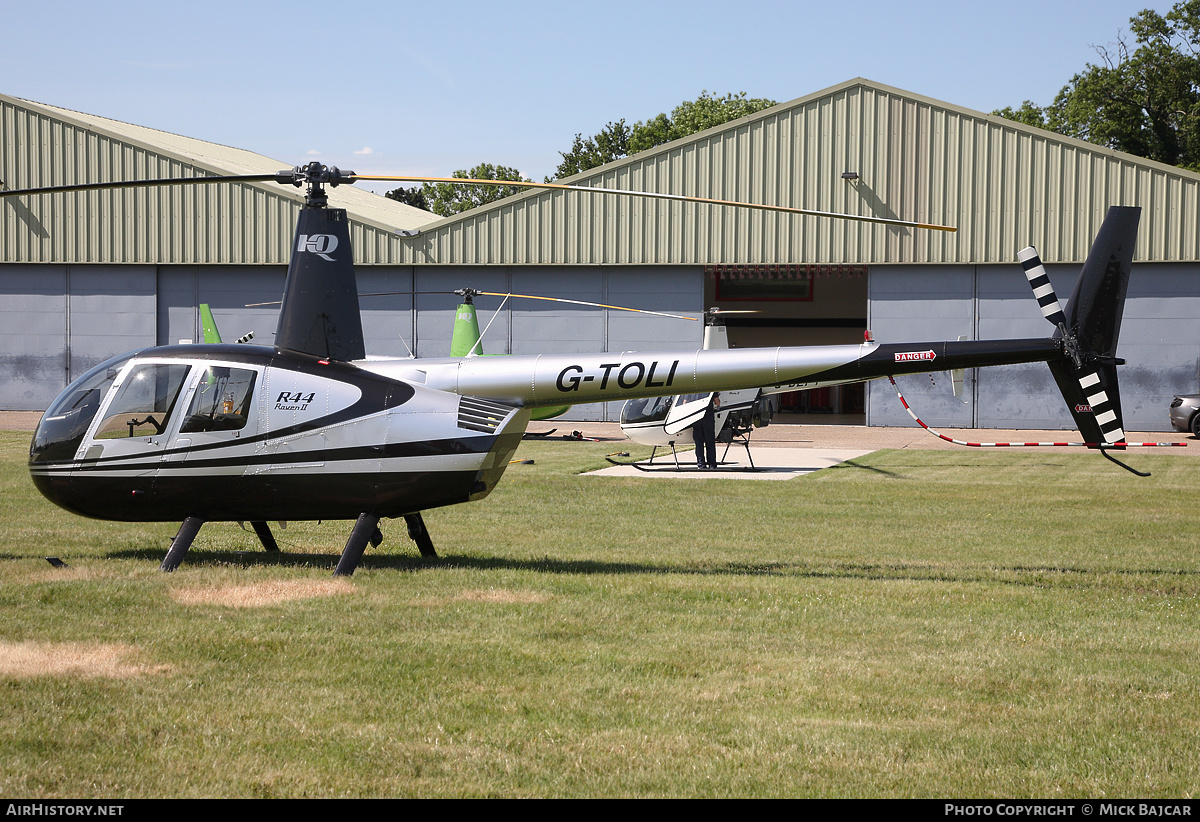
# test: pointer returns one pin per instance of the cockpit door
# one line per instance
(134, 427)
(686, 412)
(222, 410)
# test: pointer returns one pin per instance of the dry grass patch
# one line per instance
(494, 595)
(24, 660)
(261, 594)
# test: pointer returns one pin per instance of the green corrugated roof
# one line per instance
(1003, 184)
(245, 223)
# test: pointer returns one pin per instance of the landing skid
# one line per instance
(680, 469)
(742, 437)
(739, 435)
(182, 542)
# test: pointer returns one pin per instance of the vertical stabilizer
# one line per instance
(465, 340)
(1090, 326)
(320, 313)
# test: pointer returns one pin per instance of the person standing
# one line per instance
(704, 435)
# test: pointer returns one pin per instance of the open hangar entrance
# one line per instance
(787, 305)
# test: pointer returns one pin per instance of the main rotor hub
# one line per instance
(316, 176)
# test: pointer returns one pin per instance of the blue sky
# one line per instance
(396, 87)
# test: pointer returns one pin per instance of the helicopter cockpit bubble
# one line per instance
(62, 427)
(650, 409)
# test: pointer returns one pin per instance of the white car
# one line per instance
(1185, 413)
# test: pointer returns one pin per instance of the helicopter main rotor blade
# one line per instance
(335, 176)
(169, 181)
(654, 195)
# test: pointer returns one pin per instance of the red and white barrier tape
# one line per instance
(940, 435)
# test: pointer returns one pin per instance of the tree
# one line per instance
(451, 198)
(617, 140)
(1028, 113)
(692, 116)
(409, 196)
(1143, 100)
(612, 143)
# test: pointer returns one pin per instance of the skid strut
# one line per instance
(419, 534)
(265, 536)
(365, 528)
(181, 543)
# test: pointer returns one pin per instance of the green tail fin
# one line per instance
(465, 341)
(211, 334)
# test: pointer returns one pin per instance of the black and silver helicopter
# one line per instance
(312, 429)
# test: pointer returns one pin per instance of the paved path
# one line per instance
(769, 463)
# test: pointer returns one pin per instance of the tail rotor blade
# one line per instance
(1039, 281)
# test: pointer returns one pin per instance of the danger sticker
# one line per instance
(914, 356)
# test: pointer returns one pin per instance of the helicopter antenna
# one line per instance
(479, 342)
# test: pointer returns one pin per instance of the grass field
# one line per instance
(929, 624)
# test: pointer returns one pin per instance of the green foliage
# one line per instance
(1143, 100)
(409, 196)
(617, 140)
(1028, 113)
(692, 116)
(451, 198)
(612, 143)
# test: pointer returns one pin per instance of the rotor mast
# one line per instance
(320, 314)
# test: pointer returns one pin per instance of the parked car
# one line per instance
(1185, 413)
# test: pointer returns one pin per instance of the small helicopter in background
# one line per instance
(312, 428)
(661, 422)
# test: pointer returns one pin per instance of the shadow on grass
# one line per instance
(917, 466)
(846, 464)
(1024, 575)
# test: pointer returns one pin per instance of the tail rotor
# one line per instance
(1089, 326)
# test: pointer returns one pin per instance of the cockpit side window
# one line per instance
(222, 402)
(144, 402)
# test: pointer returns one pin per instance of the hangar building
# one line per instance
(84, 276)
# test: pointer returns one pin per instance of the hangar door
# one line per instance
(787, 305)
(58, 321)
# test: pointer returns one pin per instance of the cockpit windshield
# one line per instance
(651, 409)
(67, 419)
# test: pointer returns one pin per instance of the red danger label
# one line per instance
(912, 356)
(1083, 409)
